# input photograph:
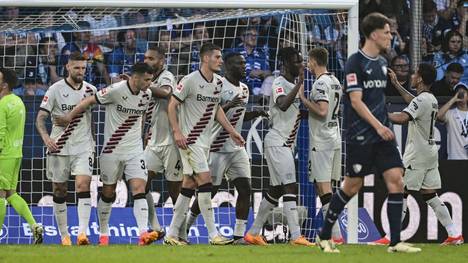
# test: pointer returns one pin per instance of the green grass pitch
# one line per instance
(238, 254)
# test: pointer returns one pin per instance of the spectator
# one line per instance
(32, 85)
(257, 66)
(122, 58)
(446, 8)
(452, 51)
(434, 26)
(45, 63)
(189, 49)
(398, 43)
(445, 86)
(83, 42)
(456, 120)
(401, 66)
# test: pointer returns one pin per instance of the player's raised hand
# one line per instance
(236, 101)
(61, 120)
(393, 77)
(180, 140)
(386, 133)
(50, 144)
(237, 138)
(301, 92)
(301, 74)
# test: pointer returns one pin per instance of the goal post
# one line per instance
(296, 17)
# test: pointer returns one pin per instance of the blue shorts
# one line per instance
(362, 160)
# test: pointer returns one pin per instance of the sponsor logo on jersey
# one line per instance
(124, 97)
(379, 84)
(66, 107)
(45, 99)
(65, 95)
(130, 111)
(279, 90)
(207, 98)
(351, 79)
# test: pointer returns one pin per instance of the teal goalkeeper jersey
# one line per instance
(12, 119)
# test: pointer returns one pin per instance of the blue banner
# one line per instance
(123, 229)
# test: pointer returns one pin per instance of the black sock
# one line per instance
(337, 204)
(237, 237)
(394, 209)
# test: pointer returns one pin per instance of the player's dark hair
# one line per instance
(427, 73)
(286, 54)
(76, 56)
(157, 49)
(372, 22)
(9, 77)
(320, 55)
(229, 56)
(208, 47)
(141, 68)
(455, 67)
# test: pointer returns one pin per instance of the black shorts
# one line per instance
(362, 160)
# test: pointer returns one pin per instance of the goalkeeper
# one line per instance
(12, 119)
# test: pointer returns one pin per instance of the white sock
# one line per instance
(336, 231)
(204, 202)
(263, 212)
(152, 216)
(178, 217)
(104, 212)
(84, 212)
(60, 211)
(290, 211)
(239, 229)
(140, 212)
(442, 215)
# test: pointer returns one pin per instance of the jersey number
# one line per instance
(143, 166)
(337, 106)
(178, 166)
(431, 129)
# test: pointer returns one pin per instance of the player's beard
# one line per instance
(77, 79)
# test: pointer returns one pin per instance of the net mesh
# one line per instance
(37, 43)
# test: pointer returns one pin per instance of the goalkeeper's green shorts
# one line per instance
(9, 171)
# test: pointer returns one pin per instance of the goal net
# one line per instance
(35, 43)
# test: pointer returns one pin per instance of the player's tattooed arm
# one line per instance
(407, 96)
(42, 115)
(163, 92)
(79, 108)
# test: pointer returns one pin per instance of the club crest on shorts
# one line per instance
(357, 168)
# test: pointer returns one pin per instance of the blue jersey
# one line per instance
(369, 75)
